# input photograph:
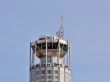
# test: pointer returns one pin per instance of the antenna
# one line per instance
(60, 32)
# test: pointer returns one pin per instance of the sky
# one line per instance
(86, 26)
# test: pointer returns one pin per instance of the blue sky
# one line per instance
(86, 24)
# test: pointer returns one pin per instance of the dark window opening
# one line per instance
(55, 64)
(65, 48)
(49, 45)
(56, 71)
(43, 72)
(55, 45)
(43, 45)
(49, 71)
(38, 47)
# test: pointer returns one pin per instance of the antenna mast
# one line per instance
(60, 32)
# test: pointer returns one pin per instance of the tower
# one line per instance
(54, 55)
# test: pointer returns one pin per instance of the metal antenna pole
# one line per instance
(62, 29)
(60, 32)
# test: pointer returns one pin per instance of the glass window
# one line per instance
(49, 45)
(55, 81)
(42, 77)
(55, 64)
(55, 45)
(43, 45)
(49, 81)
(48, 65)
(61, 65)
(56, 71)
(56, 77)
(49, 71)
(43, 72)
(43, 65)
(42, 81)
(49, 77)
(39, 47)
(65, 48)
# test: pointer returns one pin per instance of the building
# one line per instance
(54, 55)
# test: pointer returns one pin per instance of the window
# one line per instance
(42, 77)
(56, 77)
(61, 65)
(55, 45)
(49, 45)
(43, 45)
(55, 81)
(43, 72)
(55, 64)
(42, 81)
(56, 71)
(65, 47)
(42, 65)
(37, 77)
(49, 71)
(38, 47)
(49, 81)
(42, 60)
(37, 72)
(49, 77)
(48, 65)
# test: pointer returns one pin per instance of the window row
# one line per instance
(49, 77)
(51, 45)
(49, 81)
(49, 65)
(48, 72)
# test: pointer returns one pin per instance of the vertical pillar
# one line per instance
(59, 61)
(69, 57)
(46, 62)
(64, 67)
(33, 63)
(52, 70)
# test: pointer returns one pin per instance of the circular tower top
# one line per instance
(50, 45)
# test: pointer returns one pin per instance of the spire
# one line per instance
(60, 32)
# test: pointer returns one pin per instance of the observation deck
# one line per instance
(52, 45)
